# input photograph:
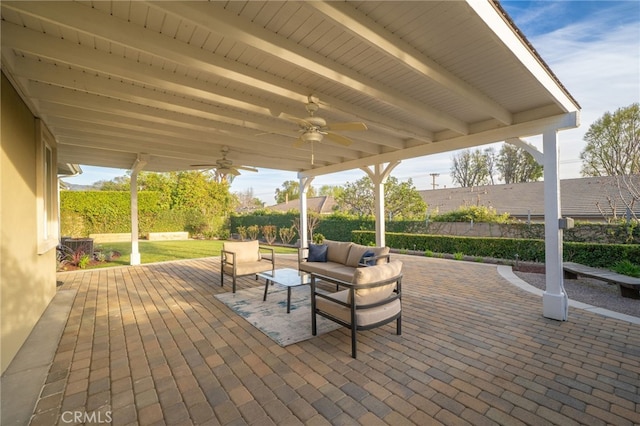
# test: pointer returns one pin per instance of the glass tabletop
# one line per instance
(287, 277)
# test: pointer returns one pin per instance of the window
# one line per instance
(47, 189)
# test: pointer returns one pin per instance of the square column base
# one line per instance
(555, 306)
(135, 259)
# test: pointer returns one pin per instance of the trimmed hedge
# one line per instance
(529, 250)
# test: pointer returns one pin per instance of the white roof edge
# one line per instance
(498, 21)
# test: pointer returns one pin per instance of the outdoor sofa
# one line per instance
(339, 260)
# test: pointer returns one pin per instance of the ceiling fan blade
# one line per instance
(298, 143)
(342, 140)
(351, 126)
(300, 121)
(246, 168)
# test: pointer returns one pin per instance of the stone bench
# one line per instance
(629, 286)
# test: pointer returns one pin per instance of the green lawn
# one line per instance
(161, 251)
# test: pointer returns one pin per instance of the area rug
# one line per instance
(271, 316)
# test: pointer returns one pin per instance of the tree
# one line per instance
(247, 201)
(205, 202)
(470, 168)
(290, 190)
(330, 190)
(613, 144)
(402, 200)
(516, 165)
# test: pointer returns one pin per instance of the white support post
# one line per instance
(555, 304)
(379, 176)
(137, 167)
(305, 182)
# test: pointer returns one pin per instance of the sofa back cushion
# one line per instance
(357, 251)
(337, 251)
(245, 251)
(373, 274)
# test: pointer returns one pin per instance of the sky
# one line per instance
(593, 47)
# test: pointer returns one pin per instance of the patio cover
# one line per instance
(163, 86)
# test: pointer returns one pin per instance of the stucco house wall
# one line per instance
(27, 277)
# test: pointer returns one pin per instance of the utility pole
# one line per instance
(433, 180)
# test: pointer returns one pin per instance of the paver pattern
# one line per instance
(151, 345)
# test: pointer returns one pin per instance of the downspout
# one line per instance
(139, 164)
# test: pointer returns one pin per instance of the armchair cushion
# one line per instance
(244, 251)
(317, 253)
(365, 296)
(364, 317)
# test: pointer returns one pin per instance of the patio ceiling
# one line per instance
(178, 81)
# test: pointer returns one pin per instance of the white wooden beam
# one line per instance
(379, 175)
(60, 50)
(537, 155)
(361, 26)
(230, 25)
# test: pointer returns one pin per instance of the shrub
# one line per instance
(473, 213)
(287, 235)
(626, 267)
(529, 250)
(253, 231)
(269, 233)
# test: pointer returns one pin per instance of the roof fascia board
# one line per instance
(512, 41)
(536, 127)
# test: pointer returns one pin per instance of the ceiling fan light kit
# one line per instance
(224, 166)
(314, 128)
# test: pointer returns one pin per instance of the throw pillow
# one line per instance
(368, 262)
(317, 253)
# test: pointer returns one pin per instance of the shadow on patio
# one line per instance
(152, 345)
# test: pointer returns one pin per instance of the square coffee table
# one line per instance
(287, 277)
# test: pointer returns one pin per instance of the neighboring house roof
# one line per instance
(587, 198)
(323, 205)
(590, 198)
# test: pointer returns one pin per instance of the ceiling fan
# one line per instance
(314, 129)
(224, 167)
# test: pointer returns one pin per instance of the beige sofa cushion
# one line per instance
(330, 269)
(373, 274)
(357, 251)
(245, 251)
(338, 251)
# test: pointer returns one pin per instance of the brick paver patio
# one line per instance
(152, 345)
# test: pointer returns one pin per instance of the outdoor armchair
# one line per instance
(241, 258)
(371, 299)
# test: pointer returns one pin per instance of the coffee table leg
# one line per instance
(288, 299)
(266, 287)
